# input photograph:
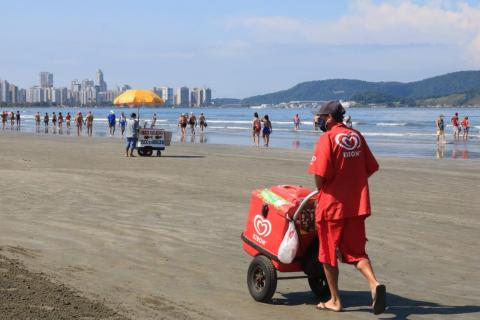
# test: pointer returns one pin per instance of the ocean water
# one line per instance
(403, 132)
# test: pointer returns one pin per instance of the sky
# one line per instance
(238, 48)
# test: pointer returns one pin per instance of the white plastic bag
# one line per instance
(288, 247)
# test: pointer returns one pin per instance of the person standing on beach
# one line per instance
(46, 119)
(122, 122)
(18, 119)
(315, 121)
(296, 122)
(60, 121)
(131, 135)
(439, 123)
(54, 120)
(203, 122)
(342, 163)
(111, 123)
(267, 130)
(79, 123)
(465, 127)
(4, 119)
(192, 121)
(348, 122)
(456, 126)
(68, 118)
(154, 120)
(89, 123)
(37, 120)
(12, 119)
(256, 128)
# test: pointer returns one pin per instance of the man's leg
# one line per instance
(365, 268)
(331, 274)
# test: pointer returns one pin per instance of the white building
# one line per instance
(4, 91)
(46, 79)
(183, 97)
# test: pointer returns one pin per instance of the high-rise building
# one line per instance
(22, 96)
(13, 94)
(197, 97)
(4, 91)
(166, 93)
(183, 96)
(102, 85)
(46, 79)
(207, 95)
(35, 95)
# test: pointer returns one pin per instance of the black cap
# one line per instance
(331, 107)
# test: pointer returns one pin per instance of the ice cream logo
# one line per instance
(262, 226)
(348, 141)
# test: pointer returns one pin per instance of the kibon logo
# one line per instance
(348, 141)
(262, 226)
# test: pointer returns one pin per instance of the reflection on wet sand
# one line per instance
(459, 151)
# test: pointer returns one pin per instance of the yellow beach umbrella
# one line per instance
(138, 98)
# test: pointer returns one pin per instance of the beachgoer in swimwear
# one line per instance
(37, 119)
(46, 119)
(256, 128)
(60, 120)
(456, 126)
(182, 123)
(89, 123)
(12, 119)
(267, 130)
(202, 121)
(316, 119)
(79, 122)
(68, 118)
(296, 122)
(466, 127)
(18, 119)
(123, 122)
(54, 120)
(348, 122)
(192, 121)
(4, 119)
(440, 125)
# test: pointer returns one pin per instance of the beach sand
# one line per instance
(159, 238)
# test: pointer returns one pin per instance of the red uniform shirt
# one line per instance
(343, 158)
(455, 121)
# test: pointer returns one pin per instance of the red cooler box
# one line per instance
(267, 222)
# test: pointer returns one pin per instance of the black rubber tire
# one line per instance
(262, 279)
(148, 151)
(141, 152)
(319, 287)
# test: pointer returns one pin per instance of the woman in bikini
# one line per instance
(256, 128)
(267, 130)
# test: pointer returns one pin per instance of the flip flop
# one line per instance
(380, 299)
(322, 306)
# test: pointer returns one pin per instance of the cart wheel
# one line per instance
(159, 153)
(141, 152)
(262, 279)
(319, 287)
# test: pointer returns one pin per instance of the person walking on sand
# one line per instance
(456, 126)
(154, 120)
(256, 128)
(182, 123)
(46, 120)
(202, 121)
(122, 121)
(12, 119)
(4, 119)
(342, 163)
(131, 135)
(111, 123)
(68, 119)
(89, 123)
(465, 127)
(296, 122)
(267, 130)
(79, 123)
(440, 125)
(192, 121)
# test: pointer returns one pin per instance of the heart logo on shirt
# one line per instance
(349, 141)
(262, 226)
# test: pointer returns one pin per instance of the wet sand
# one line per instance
(159, 238)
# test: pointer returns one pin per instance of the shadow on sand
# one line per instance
(183, 157)
(398, 307)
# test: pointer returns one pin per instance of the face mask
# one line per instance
(322, 124)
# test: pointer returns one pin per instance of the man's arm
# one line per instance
(319, 182)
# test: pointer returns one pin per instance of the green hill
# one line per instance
(345, 89)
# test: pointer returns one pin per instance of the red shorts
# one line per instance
(348, 236)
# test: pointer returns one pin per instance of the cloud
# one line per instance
(391, 23)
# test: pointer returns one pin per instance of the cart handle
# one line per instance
(303, 203)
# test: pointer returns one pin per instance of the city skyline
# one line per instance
(240, 48)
